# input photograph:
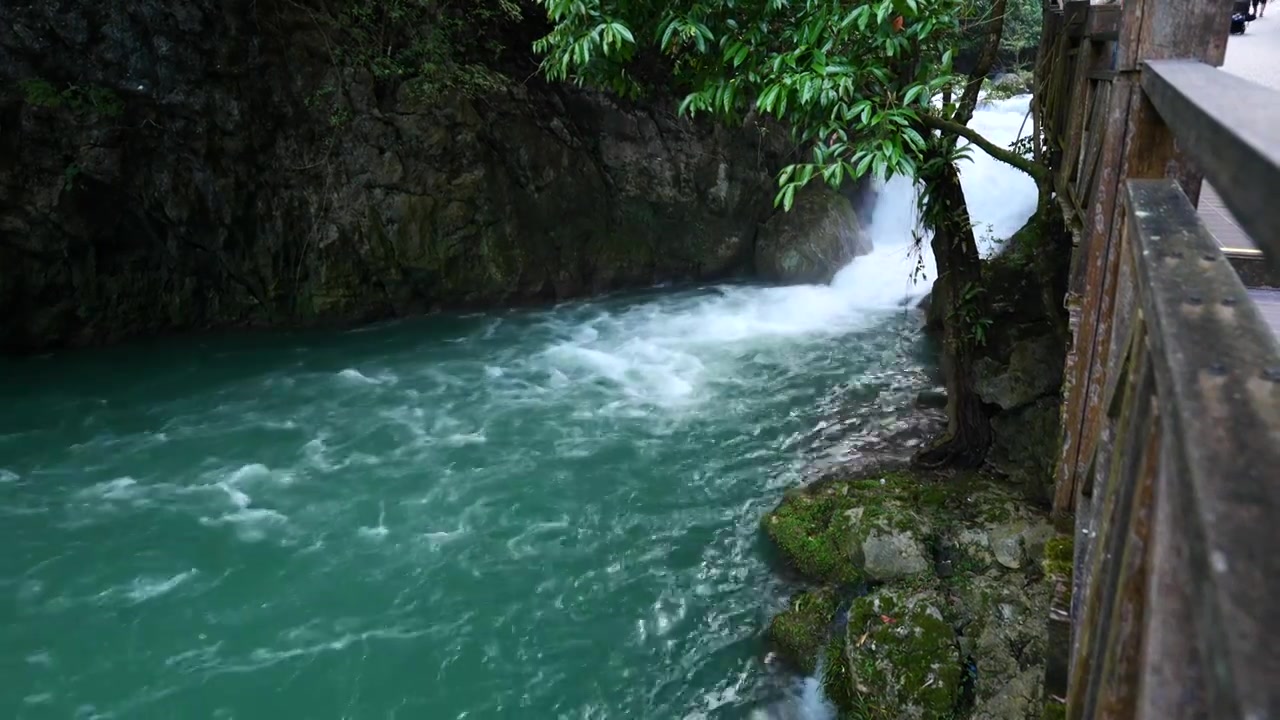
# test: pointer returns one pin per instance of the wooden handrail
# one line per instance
(1229, 127)
(1171, 425)
(1180, 519)
(1217, 373)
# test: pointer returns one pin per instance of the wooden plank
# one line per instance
(1078, 99)
(1228, 125)
(1124, 329)
(1163, 29)
(1172, 683)
(1107, 530)
(1088, 179)
(1076, 15)
(1217, 368)
(1103, 22)
(1077, 423)
(1122, 666)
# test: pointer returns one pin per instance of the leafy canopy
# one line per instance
(852, 78)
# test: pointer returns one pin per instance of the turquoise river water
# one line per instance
(528, 514)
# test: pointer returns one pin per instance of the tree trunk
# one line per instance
(968, 435)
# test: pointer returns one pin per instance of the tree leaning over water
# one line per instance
(864, 87)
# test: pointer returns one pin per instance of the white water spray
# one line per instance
(674, 351)
(1000, 198)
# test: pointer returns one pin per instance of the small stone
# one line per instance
(889, 555)
(931, 399)
(1008, 547)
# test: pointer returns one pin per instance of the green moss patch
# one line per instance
(810, 530)
(1059, 557)
(821, 529)
(1054, 711)
(800, 631)
(899, 658)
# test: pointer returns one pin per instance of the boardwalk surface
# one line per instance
(1268, 302)
(1254, 56)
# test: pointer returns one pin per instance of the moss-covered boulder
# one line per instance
(843, 531)
(954, 562)
(898, 658)
(800, 632)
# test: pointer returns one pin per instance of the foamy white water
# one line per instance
(1001, 199)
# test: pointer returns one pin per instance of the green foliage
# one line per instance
(83, 100)
(1022, 25)
(435, 47)
(837, 678)
(971, 314)
(851, 80)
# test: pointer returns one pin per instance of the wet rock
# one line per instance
(845, 531)
(1015, 544)
(1033, 370)
(1019, 699)
(898, 657)
(800, 632)
(931, 399)
(890, 554)
(1026, 444)
(1003, 622)
(226, 172)
(818, 236)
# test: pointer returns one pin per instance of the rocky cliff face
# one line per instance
(199, 163)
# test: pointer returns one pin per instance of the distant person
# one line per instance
(1259, 7)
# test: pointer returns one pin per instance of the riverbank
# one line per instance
(924, 595)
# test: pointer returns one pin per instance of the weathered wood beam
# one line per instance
(1173, 683)
(1076, 15)
(1217, 371)
(1228, 125)
(1103, 22)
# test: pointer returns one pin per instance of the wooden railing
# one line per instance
(1171, 419)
